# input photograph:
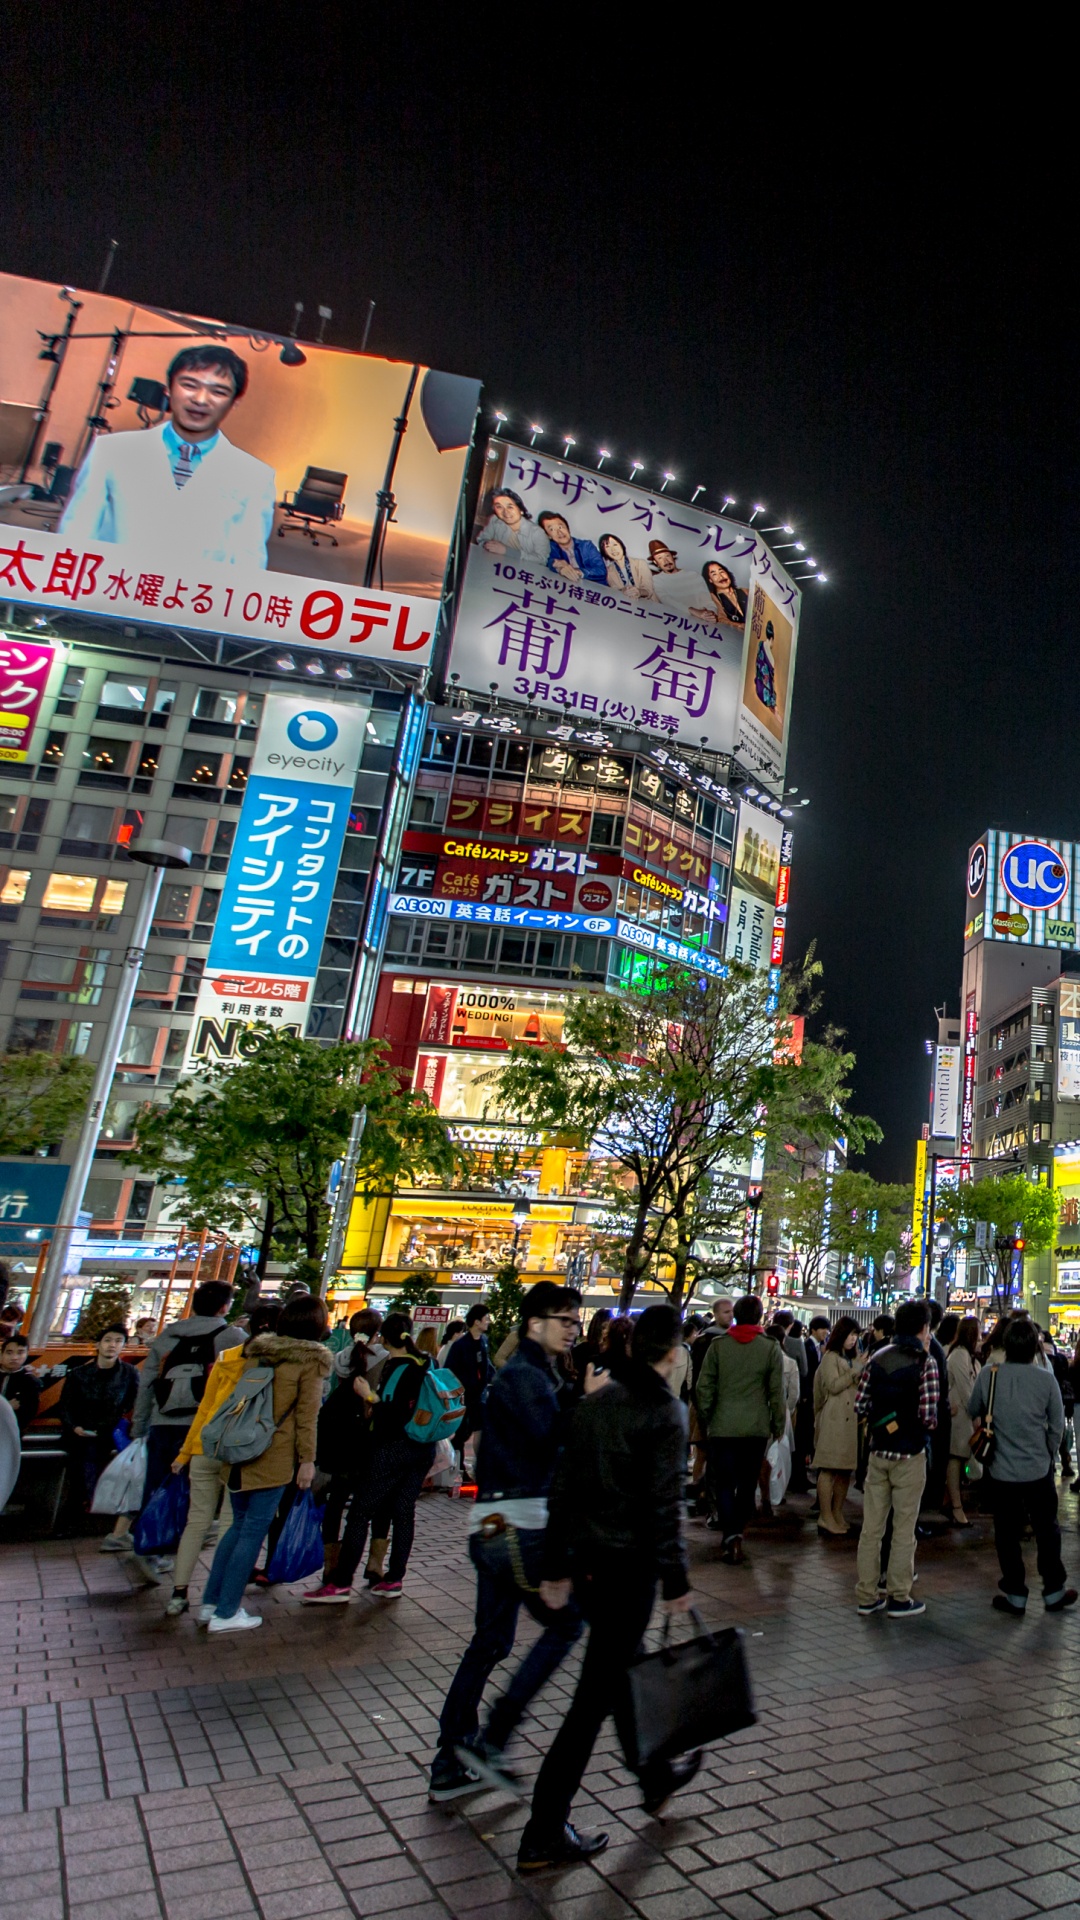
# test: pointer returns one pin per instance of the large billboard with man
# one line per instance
(160, 467)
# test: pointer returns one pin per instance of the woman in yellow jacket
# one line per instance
(209, 1478)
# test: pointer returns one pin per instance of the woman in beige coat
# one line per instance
(836, 1430)
(301, 1366)
(964, 1370)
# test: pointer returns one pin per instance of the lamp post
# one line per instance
(157, 856)
(521, 1211)
(343, 1200)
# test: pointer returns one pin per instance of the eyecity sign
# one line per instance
(1035, 875)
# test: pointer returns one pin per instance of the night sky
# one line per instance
(642, 239)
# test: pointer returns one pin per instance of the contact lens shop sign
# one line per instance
(594, 598)
(270, 926)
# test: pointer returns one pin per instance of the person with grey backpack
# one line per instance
(264, 1431)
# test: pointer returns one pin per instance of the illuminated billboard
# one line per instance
(167, 469)
(591, 597)
(756, 884)
(1023, 891)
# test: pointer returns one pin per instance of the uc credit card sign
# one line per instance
(280, 881)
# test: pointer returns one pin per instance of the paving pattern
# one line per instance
(927, 1767)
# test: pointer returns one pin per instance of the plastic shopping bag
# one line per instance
(299, 1550)
(164, 1517)
(120, 1487)
(444, 1474)
(779, 1459)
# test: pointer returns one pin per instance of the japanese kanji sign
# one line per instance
(600, 600)
(270, 925)
(24, 669)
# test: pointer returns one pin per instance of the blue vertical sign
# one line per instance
(275, 903)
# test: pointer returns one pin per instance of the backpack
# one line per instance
(243, 1426)
(440, 1405)
(184, 1372)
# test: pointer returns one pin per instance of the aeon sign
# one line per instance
(1035, 875)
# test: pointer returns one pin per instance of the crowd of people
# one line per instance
(586, 1451)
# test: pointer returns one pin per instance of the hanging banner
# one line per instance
(24, 670)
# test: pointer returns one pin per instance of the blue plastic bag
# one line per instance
(121, 1435)
(299, 1550)
(164, 1516)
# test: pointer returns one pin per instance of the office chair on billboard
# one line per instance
(318, 500)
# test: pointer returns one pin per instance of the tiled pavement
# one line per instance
(929, 1767)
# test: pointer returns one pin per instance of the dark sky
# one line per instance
(759, 277)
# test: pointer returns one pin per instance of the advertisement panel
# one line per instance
(945, 1104)
(1068, 1052)
(592, 597)
(755, 883)
(270, 925)
(1023, 891)
(24, 672)
(238, 493)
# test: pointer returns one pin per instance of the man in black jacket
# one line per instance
(524, 1417)
(614, 1532)
(17, 1383)
(470, 1361)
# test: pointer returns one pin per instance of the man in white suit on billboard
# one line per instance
(181, 489)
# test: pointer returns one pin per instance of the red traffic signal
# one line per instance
(1018, 1245)
(772, 1283)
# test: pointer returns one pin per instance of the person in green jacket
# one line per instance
(740, 1404)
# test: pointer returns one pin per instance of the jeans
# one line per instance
(617, 1600)
(234, 1561)
(162, 1446)
(498, 1600)
(1015, 1502)
(892, 1487)
(734, 1466)
(208, 1478)
(392, 1484)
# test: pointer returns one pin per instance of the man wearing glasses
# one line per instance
(524, 1417)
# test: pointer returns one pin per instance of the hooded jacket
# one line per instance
(300, 1368)
(147, 1412)
(740, 1389)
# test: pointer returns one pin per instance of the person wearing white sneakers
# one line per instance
(301, 1364)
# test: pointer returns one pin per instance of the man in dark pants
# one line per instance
(740, 1402)
(1027, 1423)
(524, 1419)
(470, 1361)
(614, 1532)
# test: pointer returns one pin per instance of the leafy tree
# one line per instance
(41, 1096)
(417, 1291)
(253, 1143)
(851, 1215)
(505, 1298)
(1012, 1207)
(107, 1306)
(672, 1088)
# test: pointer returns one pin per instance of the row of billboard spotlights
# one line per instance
(796, 547)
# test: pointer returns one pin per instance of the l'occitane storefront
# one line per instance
(459, 1240)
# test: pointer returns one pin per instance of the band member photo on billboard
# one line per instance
(184, 482)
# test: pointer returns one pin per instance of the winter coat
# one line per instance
(836, 1430)
(964, 1370)
(740, 1389)
(300, 1368)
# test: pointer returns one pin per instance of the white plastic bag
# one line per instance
(444, 1473)
(779, 1459)
(120, 1488)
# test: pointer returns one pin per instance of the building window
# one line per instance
(33, 1036)
(89, 829)
(83, 893)
(216, 705)
(125, 699)
(13, 884)
(198, 769)
(102, 754)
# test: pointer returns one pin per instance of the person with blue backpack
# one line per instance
(418, 1404)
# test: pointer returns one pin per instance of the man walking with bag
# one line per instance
(614, 1532)
(525, 1414)
(898, 1399)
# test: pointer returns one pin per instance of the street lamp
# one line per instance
(157, 856)
(519, 1216)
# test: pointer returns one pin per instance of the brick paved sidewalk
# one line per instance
(925, 1767)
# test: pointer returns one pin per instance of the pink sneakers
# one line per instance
(326, 1596)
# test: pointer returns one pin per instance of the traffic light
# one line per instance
(1017, 1244)
(772, 1283)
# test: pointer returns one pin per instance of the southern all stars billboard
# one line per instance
(182, 471)
(1023, 891)
(589, 596)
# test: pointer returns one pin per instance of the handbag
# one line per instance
(687, 1695)
(164, 1517)
(982, 1436)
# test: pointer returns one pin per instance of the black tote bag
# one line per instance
(687, 1695)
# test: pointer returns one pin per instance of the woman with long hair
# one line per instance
(836, 1429)
(394, 1473)
(728, 600)
(964, 1370)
